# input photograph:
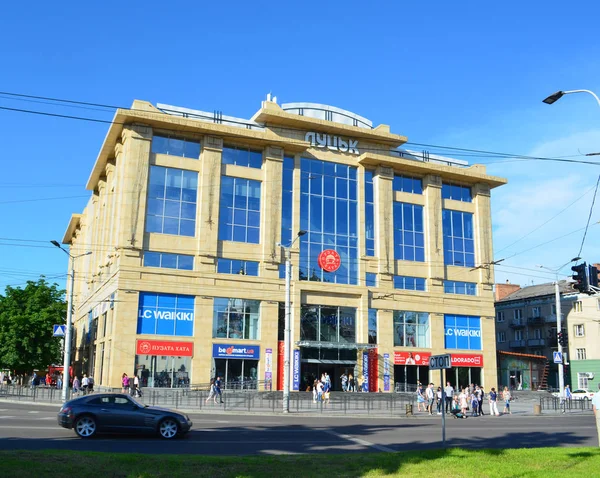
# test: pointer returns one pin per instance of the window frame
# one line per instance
(581, 354)
(421, 330)
(579, 330)
(246, 319)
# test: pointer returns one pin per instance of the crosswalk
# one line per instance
(12, 417)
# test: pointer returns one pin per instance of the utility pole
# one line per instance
(561, 368)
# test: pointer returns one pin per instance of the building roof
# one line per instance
(539, 290)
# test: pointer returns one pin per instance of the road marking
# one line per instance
(55, 428)
(360, 441)
(33, 411)
(7, 416)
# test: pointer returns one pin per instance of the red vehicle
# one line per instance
(56, 370)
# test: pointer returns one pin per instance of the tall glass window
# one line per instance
(287, 200)
(168, 261)
(236, 319)
(409, 242)
(242, 156)
(371, 279)
(407, 184)
(239, 217)
(171, 206)
(463, 332)
(456, 192)
(411, 329)
(459, 245)
(175, 146)
(328, 211)
(328, 324)
(369, 214)
(372, 326)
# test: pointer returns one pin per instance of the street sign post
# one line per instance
(441, 362)
(558, 357)
(59, 330)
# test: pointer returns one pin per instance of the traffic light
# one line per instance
(563, 339)
(580, 277)
(560, 338)
(593, 275)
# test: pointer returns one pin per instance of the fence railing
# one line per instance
(555, 404)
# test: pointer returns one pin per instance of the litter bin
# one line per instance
(537, 409)
(409, 409)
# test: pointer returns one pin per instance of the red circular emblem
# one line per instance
(329, 260)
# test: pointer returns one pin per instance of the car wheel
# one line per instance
(168, 428)
(85, 426)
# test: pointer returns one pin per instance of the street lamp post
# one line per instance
(68, 340)
(559, 94)
(561, 368)
(287, 337)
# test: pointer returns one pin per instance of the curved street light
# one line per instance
(554, 97)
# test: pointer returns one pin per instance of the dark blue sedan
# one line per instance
(120, 413)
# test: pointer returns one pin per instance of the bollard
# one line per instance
(409, 409)
(537, 409)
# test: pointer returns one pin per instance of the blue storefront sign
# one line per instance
(462, 332)
(296, 371)
(236, 351)
(365, 384)
(165, 314)
(386, 372)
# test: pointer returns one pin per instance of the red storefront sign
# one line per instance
(329, 260)
(373, 370)
(466, 360)
(164, 347)
(280, 357)
(411, 358)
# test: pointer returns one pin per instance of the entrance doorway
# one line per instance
(312, 371)
(406, 377)
(515, 379)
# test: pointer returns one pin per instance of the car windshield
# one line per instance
(138, 402)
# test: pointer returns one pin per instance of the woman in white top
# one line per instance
(462, 398)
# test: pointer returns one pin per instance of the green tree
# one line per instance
(26, 319)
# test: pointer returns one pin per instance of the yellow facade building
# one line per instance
(185, 281)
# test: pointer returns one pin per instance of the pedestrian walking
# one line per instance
(59, 382)
(493, 400)
(351, 383)
(474, 404)
(76, 385)
(440, 405)
(212, 393)
(218, 389)
(137, 391)
(430, 396)
(314, 390)
(320, 391)
(344, 379)
(85, 383)
(420, 398)
(480, 396)
(125, 383)
(463, 401)
(507, 398)
(449, 395)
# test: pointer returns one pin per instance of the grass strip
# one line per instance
(453, 462)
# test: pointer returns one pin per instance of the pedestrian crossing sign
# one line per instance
(558, 357)
(59, 330)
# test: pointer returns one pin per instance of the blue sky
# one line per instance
(465, 75)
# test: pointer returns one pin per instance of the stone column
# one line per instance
(271, 210)
(434, 236)
(384, 225)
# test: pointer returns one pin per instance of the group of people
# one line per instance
(131, 387)
(322, 388)
(458, 404)
(215, 390)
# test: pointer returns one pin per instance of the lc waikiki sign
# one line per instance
(166, 314)
(236, 351)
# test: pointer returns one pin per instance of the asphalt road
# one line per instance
(34, 427)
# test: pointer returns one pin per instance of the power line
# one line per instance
(589, 217)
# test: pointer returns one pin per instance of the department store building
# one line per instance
(186, 280)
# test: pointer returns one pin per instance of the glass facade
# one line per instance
(328, 324)
(239, 216)
(175, 146)
(233, 266)
(287, 200)
(369, 214)
(236, 318)
(237, 374)
(241, 156)
(409, 241)
(328, 211)
(456, 192)
(163, 371)
(459, 244)
(409, 283)
(407, 184)
(411, 329)
(168, 261)
(371, 279)
(462, 288)
(171, 206)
